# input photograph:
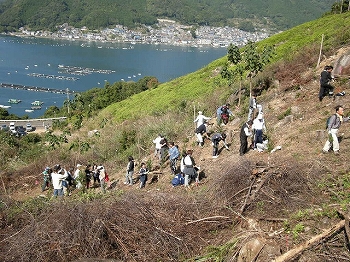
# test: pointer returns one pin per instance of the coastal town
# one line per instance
(167, 32)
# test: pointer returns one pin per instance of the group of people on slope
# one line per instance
(188, 168)
(335, 120)
(64, 181)
(130, 170)
(252, 128)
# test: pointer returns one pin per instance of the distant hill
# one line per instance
(247, 15)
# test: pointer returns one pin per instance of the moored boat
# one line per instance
(36, 107)
(14, 101)
(37, 103)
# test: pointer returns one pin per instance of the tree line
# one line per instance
(245, 15)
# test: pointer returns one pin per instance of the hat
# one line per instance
(200, 112)
(79, 165)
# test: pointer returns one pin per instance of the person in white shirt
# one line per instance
(156, 141)
(77, 178)
(188, 166)
(201, 119)
(259, 128)
(58, 175)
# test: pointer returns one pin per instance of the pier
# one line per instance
(38, 89)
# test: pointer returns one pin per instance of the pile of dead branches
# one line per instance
(134, 227)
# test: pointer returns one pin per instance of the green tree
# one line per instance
(255, 60)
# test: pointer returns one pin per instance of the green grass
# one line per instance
(180, 94)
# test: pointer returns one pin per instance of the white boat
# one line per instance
(37, 103)
(29, 110)
(3, 106)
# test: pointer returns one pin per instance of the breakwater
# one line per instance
(38, 89)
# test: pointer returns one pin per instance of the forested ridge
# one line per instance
(41, 14)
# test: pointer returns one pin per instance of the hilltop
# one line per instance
(254, 207)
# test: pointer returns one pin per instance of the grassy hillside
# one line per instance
(202, 84)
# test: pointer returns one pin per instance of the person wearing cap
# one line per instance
(57, 177)
(258, 128)
(215, 139)
(244, 134)
(47, 178)
(188, 167)
(201, 119)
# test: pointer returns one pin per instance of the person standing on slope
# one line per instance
(326, 89)
(201, 119)
(333, 125)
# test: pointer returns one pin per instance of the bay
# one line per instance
(38, 62)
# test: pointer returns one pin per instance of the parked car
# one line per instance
(4, 128)
(29, 127)
(12, 126)
(21, 131)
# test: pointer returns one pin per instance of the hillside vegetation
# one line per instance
(246, 15)
(287, 205)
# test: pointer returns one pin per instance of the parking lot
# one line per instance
(37, 125)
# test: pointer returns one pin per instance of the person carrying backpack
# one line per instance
(222, 114)
(333, 126)
(47, 179)
(174, 154)
(188, 167)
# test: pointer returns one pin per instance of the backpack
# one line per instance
(224, 110)
(178, 180)
(329, 119)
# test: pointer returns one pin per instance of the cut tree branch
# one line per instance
(288, 256)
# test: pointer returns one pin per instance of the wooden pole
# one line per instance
(319, 56)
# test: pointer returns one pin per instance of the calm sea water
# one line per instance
(22, 58)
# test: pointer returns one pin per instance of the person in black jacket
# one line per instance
(245, 133)
(215, 139)
(326, 89)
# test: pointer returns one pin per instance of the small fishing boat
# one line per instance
(37, 103)
(5, 107)
(14, 101)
